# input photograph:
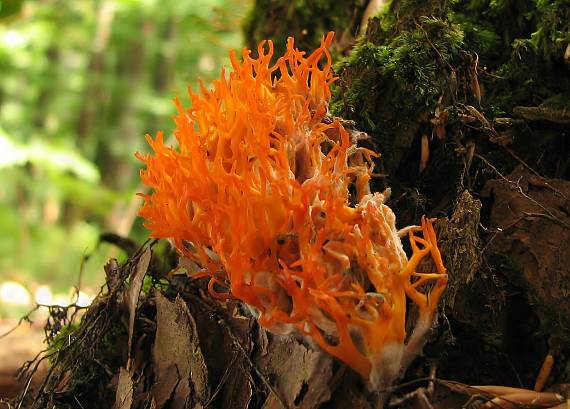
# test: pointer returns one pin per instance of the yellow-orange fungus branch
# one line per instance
(257, 194)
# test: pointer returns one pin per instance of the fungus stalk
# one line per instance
(257, 194)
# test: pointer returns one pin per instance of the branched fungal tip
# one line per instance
(257, 194)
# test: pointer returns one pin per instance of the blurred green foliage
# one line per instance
(81, 82)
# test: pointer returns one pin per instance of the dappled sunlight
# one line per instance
(14, 294)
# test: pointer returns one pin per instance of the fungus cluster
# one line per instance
(270, 196)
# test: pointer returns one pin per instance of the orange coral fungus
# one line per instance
(257, 194)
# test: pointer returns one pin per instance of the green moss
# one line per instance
(521, 44)
(111, 340)
(480, 36)
(552, 32)
(417, 56)
(395, 77)
(61, 339)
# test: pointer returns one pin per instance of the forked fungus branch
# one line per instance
(257, 193)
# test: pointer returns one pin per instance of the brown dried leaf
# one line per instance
(189, 265)
(112, 274)
(475, 88)
(237, 391)
(299, 375)
(350, 398)
(124, 394)
(473, 111)
(262, 342)
(137, 278)
(182, 376)
(229, 372)
(167, 381)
